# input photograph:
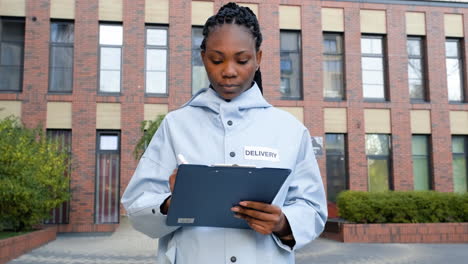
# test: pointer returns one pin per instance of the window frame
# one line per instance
(50, 134)
(21, 73)
(343, 66)
(345, 155)
(430, 168)
(388, 157)
(463, 155)
(461, 69)
(301, 73)
(191, 60)
(98, 151)
(384, 58)
(103, 93)
(159, 47)
(424, 70)
(65, 45)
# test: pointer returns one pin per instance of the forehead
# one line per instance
(230, 37)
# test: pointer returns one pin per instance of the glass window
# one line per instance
(156, 60)
(110, 35)
(291, 69)
(378, 162)
(454, 64)
(460, 162)
(11, 54)
(333, 86)
(107, 177)
(110, 41)
(373, 70)
(199, 76)
(416, 68)
(337, 177)
(61, 57)
(421, 162)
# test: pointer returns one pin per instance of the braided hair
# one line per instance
(232, 13)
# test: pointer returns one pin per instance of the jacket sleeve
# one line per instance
(305, 205)
(149, 186)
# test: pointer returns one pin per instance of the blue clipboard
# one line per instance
(203, 195)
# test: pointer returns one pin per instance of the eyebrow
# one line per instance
(221, 53)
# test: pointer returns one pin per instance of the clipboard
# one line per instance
(203, 195)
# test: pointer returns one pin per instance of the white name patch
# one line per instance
(185, 220)
(261, 153)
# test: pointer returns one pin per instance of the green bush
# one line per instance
(403, 207)
(148, 128)
(32, 178)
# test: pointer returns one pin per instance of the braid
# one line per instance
(240, 15)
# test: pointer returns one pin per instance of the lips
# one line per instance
(229, 85)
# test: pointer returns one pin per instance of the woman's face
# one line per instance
(230, 59)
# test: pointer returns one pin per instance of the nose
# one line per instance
(229, 71)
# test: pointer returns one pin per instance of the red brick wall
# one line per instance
(36, 63)
(132, 106)
(84, 97)
(405, 233)
(14, 247)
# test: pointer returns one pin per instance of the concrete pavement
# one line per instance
(126, 246)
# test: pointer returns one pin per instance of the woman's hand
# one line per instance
(263, 218)
(172, 180)
(165, 206)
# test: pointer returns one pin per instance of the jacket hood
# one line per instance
(209, 98)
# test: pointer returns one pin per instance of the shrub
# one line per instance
(403, 207)
(32, 178)
(148, 128)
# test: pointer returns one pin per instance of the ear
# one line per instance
(258, 55)
(202, 53)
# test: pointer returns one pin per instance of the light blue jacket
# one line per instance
(208, 130)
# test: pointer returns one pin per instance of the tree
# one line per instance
(32, 178)
(148, 128)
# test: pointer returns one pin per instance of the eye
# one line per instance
(243, 62)
(216, 61)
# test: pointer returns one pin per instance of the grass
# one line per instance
(7, 234)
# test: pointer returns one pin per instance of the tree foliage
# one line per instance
(32, 180)
(148, 128)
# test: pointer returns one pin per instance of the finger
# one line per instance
(256, 214)
(266, 225)
(172, 180)
(258, 225)
(264, 207)
(259, 228)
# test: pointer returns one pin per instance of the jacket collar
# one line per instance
(209, 98)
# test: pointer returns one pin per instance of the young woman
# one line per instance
(221, 125)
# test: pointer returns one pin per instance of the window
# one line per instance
(107, 177)
(199, 77)
(454, 64)
(61, 57)
(421, 163)
(337, 178)
(416, 68)
(291, 72)
(156, 60)
(378, 162)
(373, 73)
(110, 45)
(61, 214)
(460, 162)
(11, 54)
(333, 87)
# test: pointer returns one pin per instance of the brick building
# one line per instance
(382, 84)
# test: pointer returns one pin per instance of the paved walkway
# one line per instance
(126, 246)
